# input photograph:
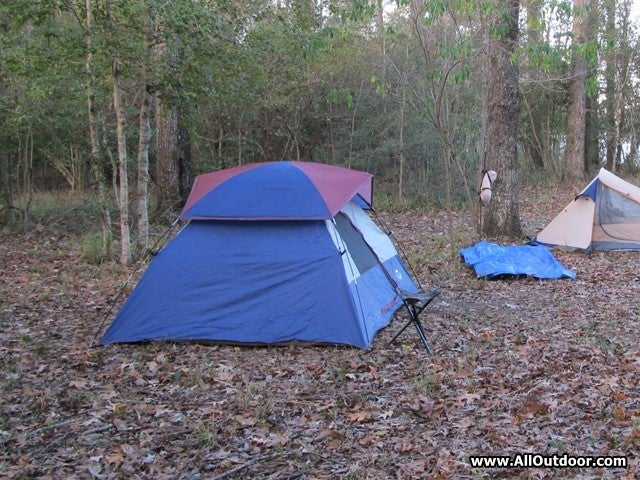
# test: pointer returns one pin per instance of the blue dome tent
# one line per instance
(271, 252)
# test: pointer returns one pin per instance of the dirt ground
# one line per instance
(519, 366)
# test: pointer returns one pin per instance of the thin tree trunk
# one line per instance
(592, 140)
(446, 150)
(185, 164)
(7, 187)
(331, 144)
(379, 18)
(352, 131)
(25, 157)
(401, 140)
(108, 155)
(534, 146)
(623, 66)
(576, 129)
(633, 150)
(125, 235)
(167, 174)
(144, 141)
(6, 158)
(239, 149)
(610, 84)
(96, 163)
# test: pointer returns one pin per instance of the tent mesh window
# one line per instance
(362, 255)
(615, 208)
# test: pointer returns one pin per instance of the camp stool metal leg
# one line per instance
(415, 303)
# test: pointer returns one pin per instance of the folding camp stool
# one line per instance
(415, 303)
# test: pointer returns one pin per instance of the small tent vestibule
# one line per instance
(271, 252)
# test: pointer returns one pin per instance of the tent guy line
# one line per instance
(150, 252)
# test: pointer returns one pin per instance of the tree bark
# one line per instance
(96, 163)
(174, 172)
(6, 159)
(609, 83)
(125, 236)
(576, 117)
(144, 141)
(592, 144)
(168, 192)
(185, 163)
(401, 140)
(501, 217)
(623, 67)
(142, 188)
(5, 173)
(534, 144)
(25, 156)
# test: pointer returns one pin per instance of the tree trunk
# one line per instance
(144, 140)
(7, 187)
(533, 143)
(380, 26)
(575, 150)
(25, 157)
(501, 217)
(125, 236)
(623, 69)
(174, 172)
(6, 159)
(609, 83)
(632, 158)
(96, 163)
(592, 144)
(185, 163)
(168, 193)
(401, 141)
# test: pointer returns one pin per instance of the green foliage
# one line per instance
(501, 25)
(562, 8)
(589, 50)
(434, 10)
(358, 11)
(591, 86)
(321, 81)
(95, 249)
(42, 103)
(341, 95)
(461, 75)
(544, 57)
(64, 212)
(464, 7)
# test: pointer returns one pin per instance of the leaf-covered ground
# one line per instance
(548, 367)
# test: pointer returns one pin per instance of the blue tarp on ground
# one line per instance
(490, 261)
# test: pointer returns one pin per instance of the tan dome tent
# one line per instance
(604, 216)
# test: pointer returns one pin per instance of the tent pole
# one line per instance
(399, 245)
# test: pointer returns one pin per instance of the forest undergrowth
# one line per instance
(519, 365)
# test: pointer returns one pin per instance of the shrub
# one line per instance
(95, 249)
